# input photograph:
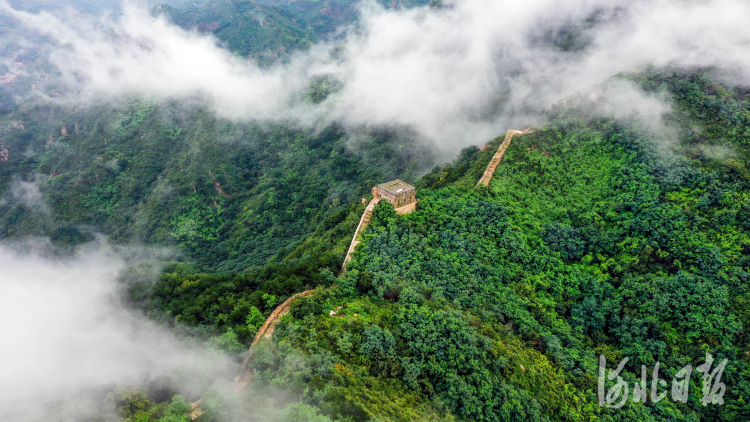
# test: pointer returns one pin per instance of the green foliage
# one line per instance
(177, 411)
(377, 344)
(494, 303)
(231, 195)
(445, 349)
(271, 300)
(254, 320)
(212, 303)
(198, 225)
(465, 170)
(301, 412)
(227, 342)
(596, 236)
(269, 31)
(587, 241)
(130, 402)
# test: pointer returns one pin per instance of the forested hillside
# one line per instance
(230, 195)
(617, 227)
(595, 237)
(268, 30)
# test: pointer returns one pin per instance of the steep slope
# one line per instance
(595, 237)
(495, 303)
(230, 195)
(167, 174)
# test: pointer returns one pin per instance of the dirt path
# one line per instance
(490, 170)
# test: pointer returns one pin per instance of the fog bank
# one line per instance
(64, 330)
(457, 75)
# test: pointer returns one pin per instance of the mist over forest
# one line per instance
(175, 174)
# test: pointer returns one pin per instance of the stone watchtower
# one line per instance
(401, 194)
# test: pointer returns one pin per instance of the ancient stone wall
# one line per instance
(490, 170)
(406, 209)
(266, 331)
(363, 222)
(397, 192)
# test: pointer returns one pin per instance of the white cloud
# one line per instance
(63, 328)
(442, 72)
(28, 194)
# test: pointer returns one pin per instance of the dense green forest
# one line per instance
(595, 237)
(268, 30)
(598, 236)
(230, 195)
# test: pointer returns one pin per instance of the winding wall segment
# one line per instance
(490, 170)
(363, 222)
(266, 331)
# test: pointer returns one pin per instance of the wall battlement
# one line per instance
(363, 222)
(265, 331)
(400, 194)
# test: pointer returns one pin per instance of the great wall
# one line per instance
(403, 197)
(363, 222)
(266, 331)
(490, 170)
(403, 205)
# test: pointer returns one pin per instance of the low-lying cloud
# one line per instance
(457, 75)
(64, 330)
(28, 193)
